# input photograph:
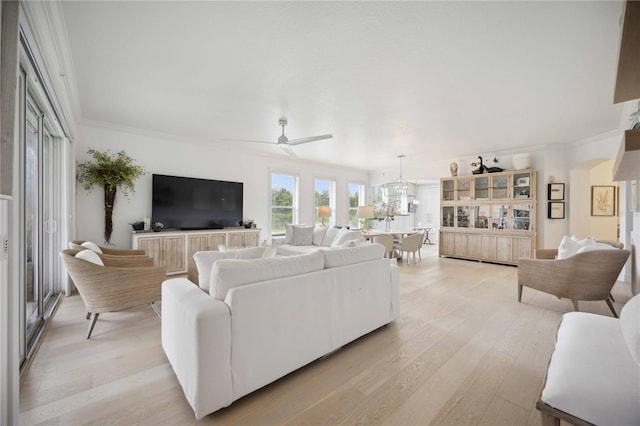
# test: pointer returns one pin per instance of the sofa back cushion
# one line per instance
(345, 235)
(329, 236)
(229, 273)
(204, 262)
(630, 323)
(347, 256)
(569, 246)
(318, 235)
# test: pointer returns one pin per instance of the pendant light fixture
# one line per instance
(401, 185)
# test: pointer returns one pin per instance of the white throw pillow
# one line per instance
(89, 256)
(288, 232)
(351, 243)
(250, 253)
(346, 256)
(229, 273)
(597, 246)
(91, 246)
(74, 246)
(270, 252)
(630, 323)
(345, 235)
(569, 246)
(329, 236)
(318, 235)
(302, 235)
(204, 262)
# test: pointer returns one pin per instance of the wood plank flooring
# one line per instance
(463, 352)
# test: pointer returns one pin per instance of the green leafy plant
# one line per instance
(109, 172)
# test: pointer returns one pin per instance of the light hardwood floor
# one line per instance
(463, 351)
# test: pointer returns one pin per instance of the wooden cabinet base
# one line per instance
(175, 249)
(499, 248)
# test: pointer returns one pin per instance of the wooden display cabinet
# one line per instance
(489, 217)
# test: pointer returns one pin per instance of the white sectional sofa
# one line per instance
(264, 318)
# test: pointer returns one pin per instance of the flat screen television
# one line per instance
(191, 203)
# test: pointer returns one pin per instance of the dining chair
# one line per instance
(410, 244)
(387, 241)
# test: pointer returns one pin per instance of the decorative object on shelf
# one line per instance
(157, 226)
(324, 212)
(386, 212)
(484, 169)
(603, 200)
(366, 214)
(453, 167)
(137, 226)
(521, 161)
(555, 191)
(555, 210)
(248, 223)
(480, 168)
(401, 184)
(109, 172)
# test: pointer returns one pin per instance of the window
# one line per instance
(325, 196)
(356, 198)
(284, 202)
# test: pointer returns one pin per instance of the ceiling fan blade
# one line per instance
(249, 140)
(288, 150)
(294, 142)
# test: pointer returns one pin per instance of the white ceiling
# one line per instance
(432, 80)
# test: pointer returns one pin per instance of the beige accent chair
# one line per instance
(117, 285)
(387, 241)
(583, 276)
(410, 244)
(77, 244)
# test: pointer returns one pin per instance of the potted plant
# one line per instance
(109, 172)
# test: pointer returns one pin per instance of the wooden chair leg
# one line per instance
(611, 297)
(519, 293)
(613, 311)
(575, 305)
(93, 323)
(547, 419)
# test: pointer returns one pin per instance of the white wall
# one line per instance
(169, 156)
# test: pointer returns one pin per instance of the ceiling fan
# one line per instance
(285, 143)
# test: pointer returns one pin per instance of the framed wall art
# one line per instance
(555, 191)
(603, 200)
(555, 210)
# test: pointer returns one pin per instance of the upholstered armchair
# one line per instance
(387, 241)
(584, 276)
(410, 244)
(115, 284)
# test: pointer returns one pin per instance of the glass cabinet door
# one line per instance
(522, 185)
(464, 189)
(499, 216)
(463, 219)
(447, 216)
(481, 216)
(499, 187)
(481, 188)
(521, 217)
(447, 190)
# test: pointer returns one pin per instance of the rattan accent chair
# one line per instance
(584, 276)
(119, 284)
(77, 244)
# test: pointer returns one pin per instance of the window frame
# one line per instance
(295, 200)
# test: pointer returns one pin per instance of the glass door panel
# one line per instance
(464, 189)
(522, 217)
(447, 216)
(463, 219)
(481, 188)
(447, 190)
(499, 216)
(499, 187)
(522, 185)
(481, 214)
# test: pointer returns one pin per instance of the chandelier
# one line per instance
(401, 185)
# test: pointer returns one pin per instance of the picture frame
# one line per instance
(523, 181)
(603, 200)
(555, 192)
(555, 210)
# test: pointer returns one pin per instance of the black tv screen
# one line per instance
(191, 203)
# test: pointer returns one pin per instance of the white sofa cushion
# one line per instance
(346, 256)
(205, 260)
(630, 324)
(329, 236)
(569, 246)
(597, 246)
(229, 273)
(90, 256)
(591, 374)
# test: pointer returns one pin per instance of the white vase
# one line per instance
(521, 161)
